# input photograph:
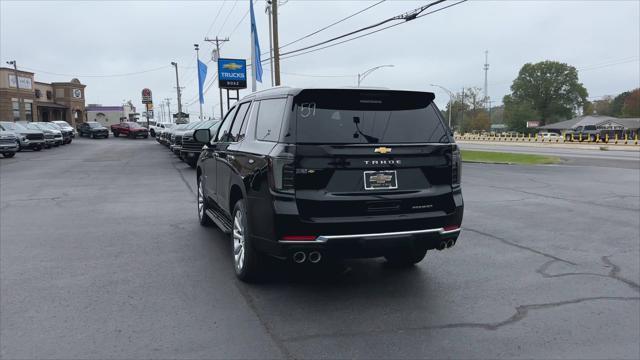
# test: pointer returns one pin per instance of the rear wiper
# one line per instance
(370, 139)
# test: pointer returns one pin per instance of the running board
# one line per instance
(223, 223)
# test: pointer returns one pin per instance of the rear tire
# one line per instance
(37, 148)
(247, 261)
(406, 258)
(115, 134)
(8, 154)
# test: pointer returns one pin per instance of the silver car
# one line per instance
(27, 138)
(8, 143)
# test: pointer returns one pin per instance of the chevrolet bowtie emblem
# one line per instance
(232, 66)
(382, 150)
(380, 178)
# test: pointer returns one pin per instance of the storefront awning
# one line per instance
(51, 106)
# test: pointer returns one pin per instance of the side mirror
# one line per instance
(202, 136)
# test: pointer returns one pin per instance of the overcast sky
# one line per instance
(59, 40)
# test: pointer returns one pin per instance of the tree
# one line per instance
(599, 107)
(550, 88)
(631, 106)
(618, 103)
(516, 114)
(480, 121)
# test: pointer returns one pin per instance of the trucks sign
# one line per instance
(232, 73)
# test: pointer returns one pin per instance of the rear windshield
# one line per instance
(360, 117)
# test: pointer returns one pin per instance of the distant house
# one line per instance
(630, 126)
(109, 115)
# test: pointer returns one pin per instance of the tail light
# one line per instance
(456, 162)
(282, 169)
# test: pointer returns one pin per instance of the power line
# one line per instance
(215, 18)
(408, 16)
(369, 33)
(98, 76)
(227, 18)
(332, 24)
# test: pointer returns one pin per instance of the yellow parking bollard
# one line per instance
(572, 138)
(616, 142)
(597, 138)
(580, 137)
(606, 137)
(636, 138)
(626, 138)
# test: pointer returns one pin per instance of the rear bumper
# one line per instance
(354, 237)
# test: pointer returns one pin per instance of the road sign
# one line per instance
(146, 96)
(232, 73)
(533, 124)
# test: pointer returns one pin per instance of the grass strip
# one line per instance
(507, 158)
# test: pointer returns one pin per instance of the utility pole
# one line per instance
(486, 77)
(197, 47)
(218, 41)
(276, 46)
(175, 65)
(462, 118)
(15, 72)
(267, 9)
(162, 112)
(169, 110)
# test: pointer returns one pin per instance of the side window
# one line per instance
(269, 121)
(223, 133)
(240, 119)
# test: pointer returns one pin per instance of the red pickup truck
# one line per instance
(130, 129)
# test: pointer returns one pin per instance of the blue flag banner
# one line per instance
(256, 63)
(202, 76)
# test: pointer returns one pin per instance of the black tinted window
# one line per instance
(269, 120)
(223, 133)
(237, 123)
(320, 125)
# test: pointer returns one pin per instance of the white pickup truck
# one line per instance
(157, 128)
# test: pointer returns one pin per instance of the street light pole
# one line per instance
(175, 65)
(198, 70)
(362, 76)
(451, 96)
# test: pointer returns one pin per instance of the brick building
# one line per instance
(29, 100)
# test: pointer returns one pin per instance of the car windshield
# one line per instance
(34, 126)
(62, 124)
(11, 126)
(94, 124)
(135, 125)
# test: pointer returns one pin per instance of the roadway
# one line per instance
(574, 156)
(102, 256)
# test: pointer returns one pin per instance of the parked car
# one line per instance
(27, 138)
(304, 174)
(161, 133)
(582, 133)
(52, 135)
(190, 149)
(154, 129)
(549, 136)
(68, 133)
(175, 142)
(93, 129)
(130, 129)
(8, 143)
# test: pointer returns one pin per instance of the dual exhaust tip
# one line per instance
(445, 244)
(314, 257)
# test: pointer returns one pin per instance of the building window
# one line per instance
(49, 95)
(15, 105)
(28, 113)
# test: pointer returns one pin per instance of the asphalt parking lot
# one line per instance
(102, 257)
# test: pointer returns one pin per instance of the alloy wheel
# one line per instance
(238, 241)
(200, 201)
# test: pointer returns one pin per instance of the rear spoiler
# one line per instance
(364, 99)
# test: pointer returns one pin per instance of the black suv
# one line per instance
(304, 174)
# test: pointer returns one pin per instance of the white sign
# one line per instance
(25, 82)
(77, 93)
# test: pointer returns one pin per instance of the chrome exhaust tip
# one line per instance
(299, 257)
(442, 245)
(315, 257)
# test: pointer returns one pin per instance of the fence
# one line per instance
(565, 138)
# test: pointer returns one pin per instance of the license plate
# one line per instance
(380, 180)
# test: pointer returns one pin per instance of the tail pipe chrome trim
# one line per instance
(315, 257)
(324, 238)
(299, 257)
